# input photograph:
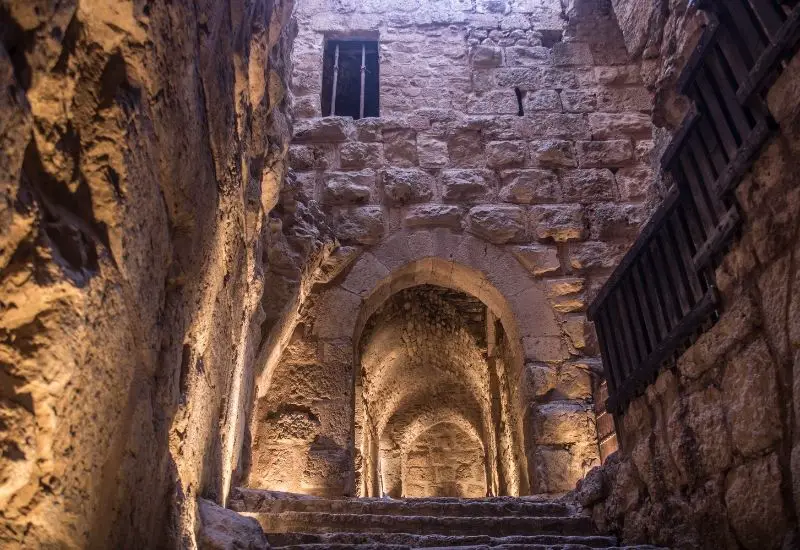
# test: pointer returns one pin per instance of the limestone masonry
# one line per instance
(231, 318)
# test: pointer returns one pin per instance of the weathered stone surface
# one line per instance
(529, 186)
(400, 147)
(222, 529)
(579, 101)
(538, 259)
(434, 215)
(487, 56)
(498, 224)
(506, 154)
(360, 155)
(403, 186)
(559, 223)
(587, 185)
(619, 125)
(465, 149)
(553, 153)
(364, 225)
(502, 102)
(466, 185)
(754, 501)
(751, 399)
(614, 153)
(431, 151)
(542, 100)
(561, 423)
(348, 187)
(321, 130)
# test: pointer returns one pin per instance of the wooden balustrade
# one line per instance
(663, 295)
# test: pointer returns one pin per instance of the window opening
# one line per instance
(520, 109)
(350, 79)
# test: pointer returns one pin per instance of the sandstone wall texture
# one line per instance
(711, 451)
(142, 148)
(451, 187)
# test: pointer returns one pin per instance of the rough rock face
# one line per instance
(142, 151)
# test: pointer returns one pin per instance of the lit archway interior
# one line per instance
(434, 415)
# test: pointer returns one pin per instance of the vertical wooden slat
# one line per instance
(335, 80)
(637, 319)
(681, 245)
(609, 366)
(694, 187)
(707, 179)
(643, 300)
(733, 55)
(710, 139)
(742, 120)
(770, 16)
(745, 27)
(673, 276)
(611, 331)
(627, 332)
(651, 289)
(720, 123)
(665, 294)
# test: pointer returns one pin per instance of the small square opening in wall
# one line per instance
(350, 84)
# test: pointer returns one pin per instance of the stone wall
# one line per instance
(711, 452)
(560, 190)
(444, 461)
(143, 146)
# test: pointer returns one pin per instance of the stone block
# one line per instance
(400, 147)
(322, 130)
(611, 220)
(505, 154)
(466, 185)
(444, 215)
(579, 101)
(364, 225)
(562, 423)
(406, 185)
(595, 255)
(342, 188)
(356, 155)
(750, 389)
(552, 153)
(560, 223)
(498, 224)
(612, 154)
(486, 57)
(587, 185)
(541, 100)
(620, 125)
(618, 75)
(552, 470)
(538, 259)
(572, 53)
(500, 102)
(617, 100)
(522, 56)
(705, 417)
(754, 501)
(465, 149)
(529, 186)
(635, 183)
(431, 151)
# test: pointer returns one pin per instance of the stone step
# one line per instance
(406, 540)
(321, 522)
(471, 547)
(272, 502)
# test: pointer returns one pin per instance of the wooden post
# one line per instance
(363, 73)
(335, 80)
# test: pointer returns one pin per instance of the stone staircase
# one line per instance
(299, 521)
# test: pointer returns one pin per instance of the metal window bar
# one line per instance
(336, 80)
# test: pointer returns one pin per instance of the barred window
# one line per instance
(350, 78)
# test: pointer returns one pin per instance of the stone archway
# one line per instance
(315, 384)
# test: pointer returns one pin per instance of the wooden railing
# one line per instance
(663, 294)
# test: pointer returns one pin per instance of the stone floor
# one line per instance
(299, 521)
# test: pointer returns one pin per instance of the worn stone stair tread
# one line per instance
(514, 525)
(265, 502)
(380, 546)
(408, 540)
